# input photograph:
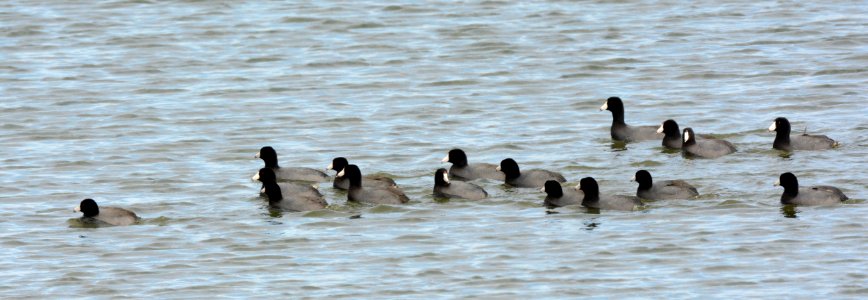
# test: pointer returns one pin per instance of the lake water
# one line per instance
(159, 107)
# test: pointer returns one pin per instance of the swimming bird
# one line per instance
(269, 156)
(671, 134)
(445, 188)
(529, 179)
(593, 199)
(342, 183)
(663, 189)
(707, 148)
(291, 196)
(621, 131)
(359, 193)
(109, 215)
(785, 141)
(815, 195)
(557, 196)
(461, 170)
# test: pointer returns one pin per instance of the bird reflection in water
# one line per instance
(789, 211)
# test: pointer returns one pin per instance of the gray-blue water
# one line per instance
(159, 107)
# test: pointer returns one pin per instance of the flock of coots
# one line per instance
(289, 188)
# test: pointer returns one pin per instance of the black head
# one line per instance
(613, 104)
(670, 128)
(643, 177)
(553, 189)
(688, 137)
(782, 137)
(510, 168)
(88, 207)
(589, 186)
(266, 175)
(338, 164)
(457, 157)
(782, 126)
(352, 173)
(269, 156)
(789, 182)
(441, 177)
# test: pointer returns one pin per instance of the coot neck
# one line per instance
(617, 115)
(459, 163)
(782, 137)
(691, 141)
(592, 199)
(673, 141)
(512, 174)
(791, 190)
(645, 184)
(271, 163)
(555, 193)
(356, 182)
(272, 190)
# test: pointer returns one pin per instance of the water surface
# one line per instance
(159, 107)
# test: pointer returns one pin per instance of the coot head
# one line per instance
(510, 168)
(613, 104)
(457, 157)
(265, 175)
(688, 137)
(269, 156)
(352, 173)
(781, 125)
(643, 177)
(87, 207)
(669, 128)
(553, 189)
(789, 182)
(338, 164)
(589, 186)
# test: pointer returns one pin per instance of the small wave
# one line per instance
(160, 91)
(459, 82)
(345, 63)
(263, 59)
(298, 20)
(840, 71)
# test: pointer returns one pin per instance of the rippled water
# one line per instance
(159, 107)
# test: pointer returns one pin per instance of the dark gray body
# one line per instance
(460, 189)
(476, 171)
(376, 181)
(535, 178)
(668, 190)
(570, 196)
(815, 195)
(299, 197)
(114, 216)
